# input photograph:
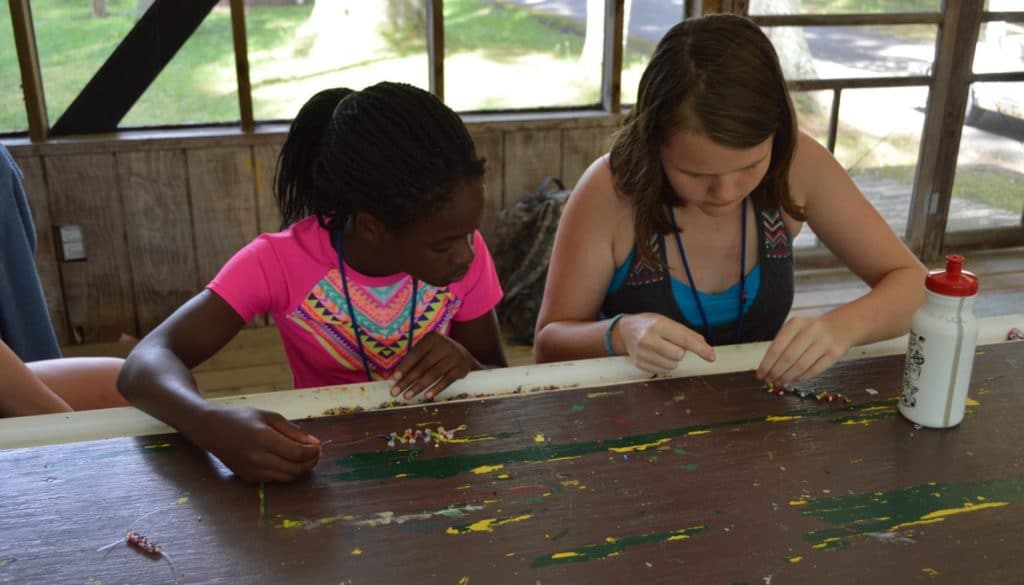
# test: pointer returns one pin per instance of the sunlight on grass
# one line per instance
(12, 104)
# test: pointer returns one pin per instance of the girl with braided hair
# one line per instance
(379, 272)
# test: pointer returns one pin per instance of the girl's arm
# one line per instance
(23, 393)
(482, 337)
(854, 231)
(582, 265)
(157, 378)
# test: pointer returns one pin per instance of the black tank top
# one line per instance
(648, 289)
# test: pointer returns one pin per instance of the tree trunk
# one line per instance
(593, 44)
(99, 8)
(789, 41)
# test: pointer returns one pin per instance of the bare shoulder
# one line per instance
(597, 205)
(596, 187)
(812, 164)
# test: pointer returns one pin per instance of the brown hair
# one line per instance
(718, 76)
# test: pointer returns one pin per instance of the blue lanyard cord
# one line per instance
(743, 273)
(352, 314)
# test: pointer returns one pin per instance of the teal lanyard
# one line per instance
(352, 313)
(743, 274)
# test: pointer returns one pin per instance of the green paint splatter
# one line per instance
(689, 466)
(679, 451)
(612, 546)
(389, 463)
(576, 408)
(883, 512)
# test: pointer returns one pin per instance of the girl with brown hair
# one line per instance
(680, 238)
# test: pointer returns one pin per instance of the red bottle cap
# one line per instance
(953, 281)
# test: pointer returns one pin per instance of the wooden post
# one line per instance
(741, 7)
(833, 119)
(944, 121)
(31, 77)
(242, 65)
(611, 77)
(435, 47)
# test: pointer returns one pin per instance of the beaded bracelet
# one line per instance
(608, 334)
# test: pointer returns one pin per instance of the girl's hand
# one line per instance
(257, 445)
(804, 348)
(432, 365)
(656, 343)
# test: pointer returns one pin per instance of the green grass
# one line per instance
(985, 184)
(198, 86)
(868, 6)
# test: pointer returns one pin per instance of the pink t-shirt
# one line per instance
(293, 275)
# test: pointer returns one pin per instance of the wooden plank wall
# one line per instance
(161, 215)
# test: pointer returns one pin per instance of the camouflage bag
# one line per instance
(523, 237)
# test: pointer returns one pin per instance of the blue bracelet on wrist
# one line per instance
(608, 334)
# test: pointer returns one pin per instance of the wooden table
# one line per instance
(693, 480)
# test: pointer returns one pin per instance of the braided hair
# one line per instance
(392, 150)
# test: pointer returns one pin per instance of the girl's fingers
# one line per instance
(424, 376)
(776, 349)
(442, 383)
(688, 339)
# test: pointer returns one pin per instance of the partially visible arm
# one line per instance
(157, 376)
(257, 445)
(854, 231)
(21, 392)
(482, 337)
(581, 268)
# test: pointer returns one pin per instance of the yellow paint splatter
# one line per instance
(571, 482)
(929, 571)
(568, 458)
(539, 438)
(470, 439)
(182, 500)
(565, 555)
(401, 475)
(781, 418)
(286, 523)
(972, 402)
(860, 421)
(825, 543)
(487, 524)
(795, 559)
(486, 469)
(356, 552)
(511, 554)
(642, 447)
(797, 502)
(940, 515)
(504, 476)
(464, 581)
(691, 433)
(157, 446)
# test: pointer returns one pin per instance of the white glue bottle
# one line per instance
(940, 354)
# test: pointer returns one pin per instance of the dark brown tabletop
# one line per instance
(696, 480)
